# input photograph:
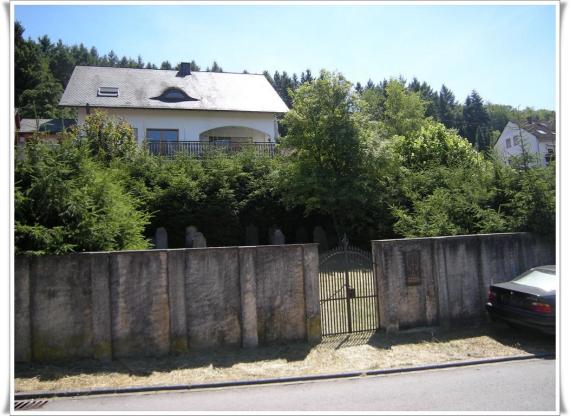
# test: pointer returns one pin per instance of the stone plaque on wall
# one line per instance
(412, 268)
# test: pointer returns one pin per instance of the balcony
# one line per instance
(169, 149)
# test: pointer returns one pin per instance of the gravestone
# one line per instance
(251, 235)
(188, 240)
(160, 239)
(319, 236)
(198, 240)
(277, 238)
(301, 235)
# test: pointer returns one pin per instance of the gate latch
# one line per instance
(351, 292)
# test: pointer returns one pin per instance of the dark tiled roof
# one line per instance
(140, 88)
(542, 130)
(47, 125)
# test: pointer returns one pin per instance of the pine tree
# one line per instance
(358, 88)
(215, 68)
(447, 107)
(165, 65)
(474, 116)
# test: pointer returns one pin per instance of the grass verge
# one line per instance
(364, 351)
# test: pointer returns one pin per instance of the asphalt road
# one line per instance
(511, 386)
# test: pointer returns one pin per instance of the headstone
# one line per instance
(160, 238)
(319, 236)
(301, 235)
(277, 238)
(190, 231)
(251, 235)
(198, 240)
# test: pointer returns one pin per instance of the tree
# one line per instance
(445, 184)
(215, 68)
(306, 76)
(113, 59)
(108, 139)
(65, 201)
(327, 168)
(404, 111)
(358, 88)
(447, 107)
(474, 116)
(165, 65)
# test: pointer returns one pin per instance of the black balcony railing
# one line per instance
(199, 149)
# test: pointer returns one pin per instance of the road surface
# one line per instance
(509, 386)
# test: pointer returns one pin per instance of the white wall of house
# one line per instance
(196, 125)
(507, 147)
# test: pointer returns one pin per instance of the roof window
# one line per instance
(108, 92)
(174, 95)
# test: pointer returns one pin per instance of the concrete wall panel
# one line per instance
(60, 308)
(213, 297)
(22, 329)
(139, 299)
(280, 293)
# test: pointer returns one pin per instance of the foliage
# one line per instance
(66, 201)
(399, 111)
(444, 186)
(475, 125)
(107, 138)
(527, 197)
(328, 168)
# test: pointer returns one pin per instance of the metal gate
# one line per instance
(347, 289)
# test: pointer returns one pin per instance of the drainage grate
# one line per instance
(29, 404)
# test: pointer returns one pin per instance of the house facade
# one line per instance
(180, 110)
(538, 138)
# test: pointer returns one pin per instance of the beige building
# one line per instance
(181, 110)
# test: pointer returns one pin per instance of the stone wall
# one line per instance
(154, 302)
(442, 280)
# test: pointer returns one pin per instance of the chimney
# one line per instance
(184, 69)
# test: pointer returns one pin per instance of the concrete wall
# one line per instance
(191, 124)
(149, 303)
(442, 280)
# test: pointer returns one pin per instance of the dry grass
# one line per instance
(335, 354)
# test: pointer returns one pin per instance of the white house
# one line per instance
(180, 109)
(539, 139)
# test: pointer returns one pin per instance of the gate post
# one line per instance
(388, 291)
(311, 282)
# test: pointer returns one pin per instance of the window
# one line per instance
(136, 132)
(173, 95)
(162, 135)
(508, 143)
(108, 92)
(517, 140)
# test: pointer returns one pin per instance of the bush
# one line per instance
(65, 201)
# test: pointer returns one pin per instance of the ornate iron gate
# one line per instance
(347, 289)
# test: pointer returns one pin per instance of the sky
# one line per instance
(505, 52)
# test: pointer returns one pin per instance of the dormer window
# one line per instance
(174, 95)
(108, 92)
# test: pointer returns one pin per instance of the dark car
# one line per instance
(528, 300)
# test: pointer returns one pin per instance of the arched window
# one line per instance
(174, 95)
